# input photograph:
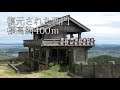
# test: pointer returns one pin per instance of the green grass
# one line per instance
(54, 72)
(9, 70)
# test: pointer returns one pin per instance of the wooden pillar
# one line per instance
(29, 53)
(57, 55)
(66, 56)
(39, 54)
(79, 35)
(33, 53)
(33, 35)
(69, 56)
(39, 58)
(47, 56)
(32, 65)
(86, 55)
(71, 35)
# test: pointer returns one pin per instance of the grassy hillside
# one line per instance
(54, 72)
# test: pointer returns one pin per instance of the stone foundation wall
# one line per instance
(23, 55)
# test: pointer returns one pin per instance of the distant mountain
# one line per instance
(10, 50)
(104, 59)
(108, 45)
(112, 50)
(11, 43)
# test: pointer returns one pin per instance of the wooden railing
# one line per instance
(78, 42)
(61, 42)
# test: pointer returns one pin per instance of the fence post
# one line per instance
(80, 69)
(111, 63)
(94, 63)
(31, 66)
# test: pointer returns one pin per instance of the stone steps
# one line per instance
(23, 68)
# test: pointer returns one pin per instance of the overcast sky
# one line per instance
(104, 26)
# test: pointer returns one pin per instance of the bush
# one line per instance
(71, 68)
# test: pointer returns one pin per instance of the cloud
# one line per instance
(104, 30)
(3, 32)
(98, 18)
(113, 24)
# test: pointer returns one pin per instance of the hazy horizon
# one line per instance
(22, 44)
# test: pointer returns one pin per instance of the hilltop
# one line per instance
(104, 59)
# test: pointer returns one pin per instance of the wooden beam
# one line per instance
(79, 35)
(39, 54)
(29, 53)
(71, 35)
(33, 53)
